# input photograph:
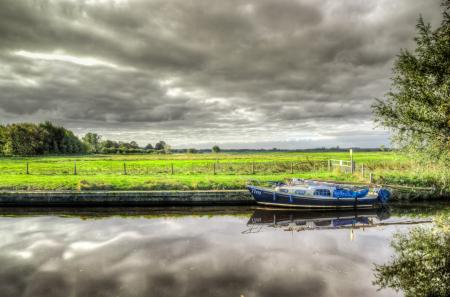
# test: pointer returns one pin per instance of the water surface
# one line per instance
(197, 251)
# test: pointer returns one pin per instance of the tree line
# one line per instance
(28, 139)
(95, 144)
(38, 139)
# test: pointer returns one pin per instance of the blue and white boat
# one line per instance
(316, 194)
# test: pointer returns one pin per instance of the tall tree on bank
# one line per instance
(417, 109)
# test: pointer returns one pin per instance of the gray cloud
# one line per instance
(178, 69)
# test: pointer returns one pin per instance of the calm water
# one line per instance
(197, 251)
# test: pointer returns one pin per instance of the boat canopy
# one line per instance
(349, 193)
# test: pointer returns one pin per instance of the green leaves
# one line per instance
(421, 265)
(417, 109)
(27, 139)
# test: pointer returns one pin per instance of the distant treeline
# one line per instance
(311, 150)
(27, 139)
(95, 144)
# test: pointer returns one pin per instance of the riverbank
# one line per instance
(156, 182)
(126, 198)
(201, 172)
(163, 198)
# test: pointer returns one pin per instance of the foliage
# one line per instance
(421, 266)
(417, 109)
(191, 151)
(31, 139)
(92, 141)
(167, 149)
(2, 138)
(215, 149)
(27, 139)
(160, 145)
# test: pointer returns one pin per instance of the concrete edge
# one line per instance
(125, 198)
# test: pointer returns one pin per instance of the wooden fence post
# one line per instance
(214, 168)
(362, 170)
(28, 171)
(74, 167)
(124, 168)
(329, 165)
(171, 168)
(253, 167)
(371, 178)
(352, 167)
(292, 167)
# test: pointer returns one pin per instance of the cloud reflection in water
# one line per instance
(189, 256)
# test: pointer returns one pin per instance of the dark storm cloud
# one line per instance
(219, 66)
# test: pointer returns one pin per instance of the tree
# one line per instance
(417, 109)
(167, 149)
(215, 149)
(2, 138)
(92, 140)
(23, 139)
(134, 145)
(149, 146)
(421, 265)
(191, 151)
(160, 145)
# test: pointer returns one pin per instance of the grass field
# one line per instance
(193, 171)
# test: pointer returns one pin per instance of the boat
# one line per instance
(303, 193)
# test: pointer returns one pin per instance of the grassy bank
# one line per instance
(146, 182)
(237, 164)
(200, 171)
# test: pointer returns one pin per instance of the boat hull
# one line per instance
(270, 197)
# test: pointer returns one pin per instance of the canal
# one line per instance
(201, 251)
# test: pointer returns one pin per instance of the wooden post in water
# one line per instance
(28, 171)
(74, 167)
(124, 168)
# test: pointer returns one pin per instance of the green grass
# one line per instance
(192, 171)
(146, 182)
(238, 163)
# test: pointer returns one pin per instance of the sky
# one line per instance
(289, 74)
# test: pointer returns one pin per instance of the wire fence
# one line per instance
(113, 167)
(143, 168)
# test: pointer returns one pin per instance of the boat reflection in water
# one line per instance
(301, 220)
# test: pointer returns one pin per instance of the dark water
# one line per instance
(197, 251)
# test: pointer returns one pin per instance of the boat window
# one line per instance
(284, 190)
(322, 192)
(300, 192)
